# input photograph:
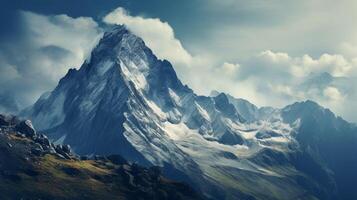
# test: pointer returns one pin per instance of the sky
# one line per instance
(270, 52)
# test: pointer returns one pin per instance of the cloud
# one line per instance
(158, 35)
(278, 79)
(229, 69)
(270, 78)
(42, 51)
(336, 65)
(49, 45)
(332, 93)
(238, 29)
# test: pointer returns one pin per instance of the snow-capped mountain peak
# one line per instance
(125, 100)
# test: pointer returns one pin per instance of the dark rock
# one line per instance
(66, 148)
(25, 127)
(61, 153)
(100, 158)
(60, 156)
(231, 138)
(20, 135)
(38, 150)
(43, 141)
(229, 155)
(51, 150)
(266, 134)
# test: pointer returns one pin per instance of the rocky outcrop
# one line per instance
(25, 127)
(12, 126)
(30, 165)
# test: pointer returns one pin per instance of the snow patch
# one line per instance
(202, 112)
(176, 131)
(156, 109)
(174, 97)
(132, 74)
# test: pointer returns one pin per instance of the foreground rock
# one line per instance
(31, 167)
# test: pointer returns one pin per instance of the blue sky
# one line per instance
(270, 52)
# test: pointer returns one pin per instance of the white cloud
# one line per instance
(332, 93)
(42, 52)
(160, 38)
(158, 35)
(239, 29)
(228, 69)
(282, 79)
(69, 39)
(337, 65)
(270, 78)
(52, 44)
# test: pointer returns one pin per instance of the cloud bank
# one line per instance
(278, 79)
(42, 51)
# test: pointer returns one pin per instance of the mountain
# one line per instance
(329, 139)
(247, 110)
(124, 100)
(31, 167)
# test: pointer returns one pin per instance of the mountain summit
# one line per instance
(124, 100)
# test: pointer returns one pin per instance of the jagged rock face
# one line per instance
(124, 100)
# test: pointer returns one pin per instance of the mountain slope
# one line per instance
(330, 139)
(124, 100)
(33, 168)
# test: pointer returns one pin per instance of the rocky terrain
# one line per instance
(31, 167)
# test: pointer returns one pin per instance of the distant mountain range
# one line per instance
(124, 100)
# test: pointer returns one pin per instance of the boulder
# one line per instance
(43, 140)
(66, 148)
(25, 127)
(37, 150)
(61, 151)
